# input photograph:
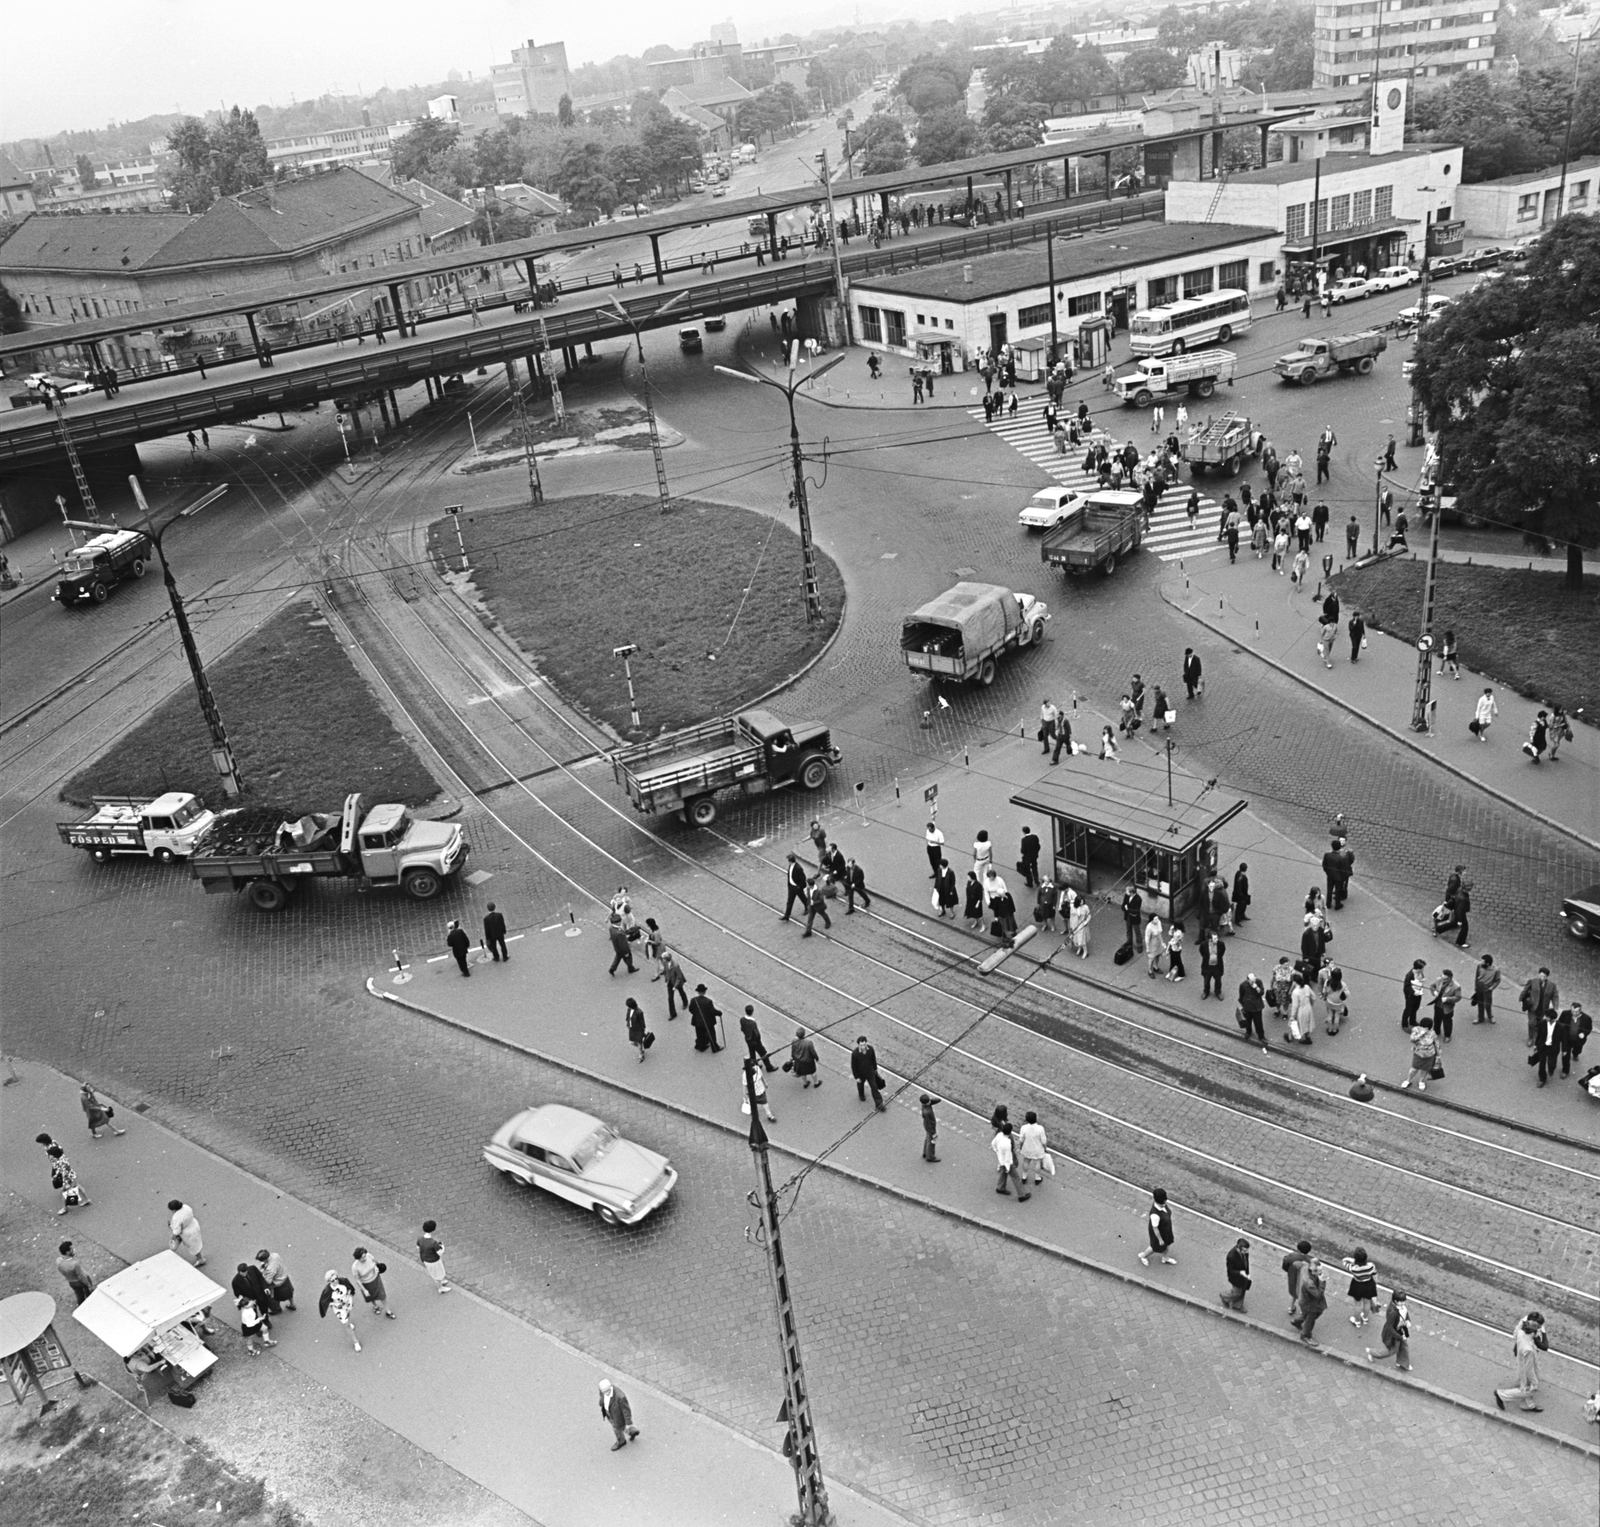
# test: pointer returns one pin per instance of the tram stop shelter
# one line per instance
(1133, 824)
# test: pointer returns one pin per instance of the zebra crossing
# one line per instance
(1170, 537)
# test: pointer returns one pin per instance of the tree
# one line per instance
(946, 134)
(564, 114)
(1147, 70)
(628, 166)
(189, 180)
(1509, 377)
(239, 154)
(498, 155)
(673, 149)
(881, 143)
(422, 152)
(87, 179)
(1011, 124)
(582, 180)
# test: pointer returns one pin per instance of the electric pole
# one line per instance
(833, 240)
(644, 382)
(1420, 703)
(57, 404)
(800, 1446)
(519, 410)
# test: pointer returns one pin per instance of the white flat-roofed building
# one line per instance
(1517, 205)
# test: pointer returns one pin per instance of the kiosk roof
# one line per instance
(1134, 805)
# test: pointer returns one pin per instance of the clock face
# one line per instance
(1394, 100)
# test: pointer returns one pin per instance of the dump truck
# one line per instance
(965, 631)
(754, 752)
(1110, 525)
(1324, 355)
(164, 828)
(1156, 378)
(270, 858)
(1223, 444)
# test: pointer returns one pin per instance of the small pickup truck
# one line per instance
(753, 752)
(1156, 378)
(91, 571)
(164, 829)
(269, 859)
(1110, 525)
(1326, 355)
(961, 634)
(1222, 443)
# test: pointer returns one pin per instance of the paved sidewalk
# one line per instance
(554, 999)
(488, 1394)
(1259, 611)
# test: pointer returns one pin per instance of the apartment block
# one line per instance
(1426, 39)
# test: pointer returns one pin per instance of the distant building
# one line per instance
(442, 108)
(719, 133)
(16, 190)
(543, 208)
(533, 83)
(1513, 207)
(351, 146)
(704, 64)
(1425, 39)
(724, 32)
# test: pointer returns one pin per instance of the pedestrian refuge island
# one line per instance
(1115, 824)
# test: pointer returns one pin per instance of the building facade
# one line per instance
(323, 151)
(946, 314)
(1519, 205)
(1352, 40)
(533, 83)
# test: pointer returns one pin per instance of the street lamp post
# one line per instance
(802, 508)
(625, 652)
(833, 240)
(1566, 144)
(644, 378)
(221, 748)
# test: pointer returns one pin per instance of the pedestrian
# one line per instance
(1132, 918)
(1005, 1154)
(1280, 549)
(803, 1059)
(1538, 737)
(1305, 306)
(703, 1015)
(368, 1273)
(1158, 1226)
(193, 447)
(458, 943)
(1161, 712)
(1182, 420)
(1294, 1266)
(70, 1268)
(62, 1177)
(637, 1029)
(494, 934)
(1033, 1150)
(1301, 1014)
(1063, 738)
(1252, 1003)
(1335, 997)
(797, 887)
(946, 896)
(864, 1068)
(752, 1037)
(855, 884)
(1483, 714)
(618, 1414)
(1552, 1038)
(1396, 1333)
(973, 908)
(249, 1282)
(1425, 1056)
(677, 986)
(1411, 994)
(1352, 537)
(1241, 893)
(916, 386)
(183, 1230)
(621, 948)
(1448, 655)
(98, 1114)
(339, 1296)
(1155, 945)
(1108, 746)
(430, 1251)
(1363, 1286)
(1560, 731)
(205, 436)
(1539, 997)
(1192, 680)
(1484, 981)
(816, 905)
(1028, 863)
(1313, 933)
(930, 1128)
(1175, 970)
(1527, 1342)
(934, 840)
(982, 852)
(1327, 635)
(1002, 909)
(1313, 1299)
(1078, 927)
(277, 1279)
(1211, 963)
(1238, 1270)
(1389, 464)
(1445, 993)
(754, 1079)
(1299, 568)
(655, 947)
(1357, 629)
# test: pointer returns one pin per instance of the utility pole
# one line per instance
(556, 404)
(800, 1447)
(1420, 701)
(520, 410)
(1050, 273)
(833, 240)
(58, 405)
(1566, 144)
(1377, 506)
(808, 552)
(1414, 432)
(644, 378)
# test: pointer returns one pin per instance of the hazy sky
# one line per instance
(97, 61)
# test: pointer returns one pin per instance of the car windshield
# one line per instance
(186, 813)
(78, 562)
(594, 1147)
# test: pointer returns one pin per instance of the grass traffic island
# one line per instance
(305, 726)
(1522, 628)
(710, 594)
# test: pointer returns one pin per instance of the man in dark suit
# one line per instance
(494, 934)
(458, 942)
(752, 1038)
(797, 886)
(864, 1068)
(703, 1014)
(1241, 894)
(1238, 1276)
(1191, 671)
(1029, 862)
(1133, 917)
(1554, 1035)
(855, 884)
(817, 906)
(1579, 1027)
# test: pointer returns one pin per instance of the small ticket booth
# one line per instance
(1114, 827)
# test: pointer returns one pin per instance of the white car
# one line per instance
(1436, 304)
(1350, 289)
(1393, 278)
(1049, 507)
(62, 386)
(576, 1157)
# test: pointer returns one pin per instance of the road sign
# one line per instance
(931, 794)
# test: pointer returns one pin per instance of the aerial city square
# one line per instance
(648, 657)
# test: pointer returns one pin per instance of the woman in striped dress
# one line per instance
(1363, 1286)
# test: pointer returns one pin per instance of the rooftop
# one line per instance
(1018, 270)
(1133, 805)
(1285, 173)
(91, 241)
(10, 175)
(1550, 172)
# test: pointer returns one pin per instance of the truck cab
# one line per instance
(393, 847)
(89, 572)
(165, 828)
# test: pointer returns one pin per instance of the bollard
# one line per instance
(1258, 628)
(897, 790)
(966, 753)
(1219, 609)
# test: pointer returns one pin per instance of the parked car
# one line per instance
(1049, 507)
(1436, 305)
(577, 1157)
(1393, 278)
(689, 341)
(719, 189)
(41, 382)
(1482, 259)
(1581, 913)
(1348, 290)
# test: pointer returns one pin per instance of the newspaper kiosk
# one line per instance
(154, 1305)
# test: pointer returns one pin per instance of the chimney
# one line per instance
(366, 117)
(966, 275)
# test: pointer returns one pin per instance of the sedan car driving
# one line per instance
(1393, 278)
(1049, 507)
(582, 1160)
(1581, 913)
(1350, 289)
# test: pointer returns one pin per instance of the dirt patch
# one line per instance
(710, 594)
(580, 432)
(306, 730)
(1523, 629)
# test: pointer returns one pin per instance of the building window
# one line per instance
(1163, 289)
(1339, 212)
(1294, 223)
(895, 326)
(920, 322)
(1089, 302)
(1361, 207)
(1528, 207)
(1196, 283)
(949, 323)
(872, 325)
(1234, 275)
(1269, 272)
(1580, 193)
(1383, 203)
(1031, 318)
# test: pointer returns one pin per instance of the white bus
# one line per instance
(1190, 322)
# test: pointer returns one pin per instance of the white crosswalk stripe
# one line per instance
(1171, 536)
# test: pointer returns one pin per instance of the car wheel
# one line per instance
(1038, 632)
(138, 568)
(100, 855)
(164, 856)
(814, 773)
(1111, 564)
(267, 895)
(1204, 389)
(1178, 347)
(1224, 334)
(1143, 398)
(702, 812)
(1364, 365)
(511, 1177)
(1578, 925)
(1308, 377)
(422, 885)
(97, 592)
(606, 1216)
(986, 672)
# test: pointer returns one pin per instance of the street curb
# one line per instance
(1388, 731)
(973, 1221)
